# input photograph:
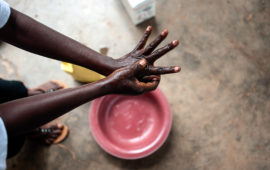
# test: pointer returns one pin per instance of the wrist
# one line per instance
(112, 65)
(105, 65)
(107, 85)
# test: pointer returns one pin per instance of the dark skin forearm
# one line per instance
(28, 34)
(28, 113)
(23, 115)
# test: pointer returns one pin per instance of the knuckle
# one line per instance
(160, 50)
(156, 52)
(145, 36)
(159, 70)
(167, 47)
(151, 45)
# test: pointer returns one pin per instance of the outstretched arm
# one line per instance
(25, 114)
(28, 34)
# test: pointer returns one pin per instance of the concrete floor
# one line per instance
(220, 100)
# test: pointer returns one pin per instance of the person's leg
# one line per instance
(15, 145)
(48, 134)
(12, 90)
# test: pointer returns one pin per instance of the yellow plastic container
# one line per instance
(81, 74)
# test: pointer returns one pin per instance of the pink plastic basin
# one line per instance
(131, 127)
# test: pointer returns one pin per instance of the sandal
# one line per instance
(50, 134)
(47, 87)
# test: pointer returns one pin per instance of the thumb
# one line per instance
(139, 66)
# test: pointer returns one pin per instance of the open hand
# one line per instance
(149, 54)
(125, 80)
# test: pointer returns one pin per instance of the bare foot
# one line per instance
(49, 134)
(49, 86)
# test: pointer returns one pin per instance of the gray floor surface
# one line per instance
(220, 100)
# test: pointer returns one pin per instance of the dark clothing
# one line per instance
(12, 90)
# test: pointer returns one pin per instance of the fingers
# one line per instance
(143, 41)
(150, 78)
(148, 86)
(161, 51)
(163, 70)
(150, 48)
(139, 66)
(152, 73)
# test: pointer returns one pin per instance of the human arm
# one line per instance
(28, 34)
(25, 114)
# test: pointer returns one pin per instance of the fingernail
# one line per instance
(142, 62)
(177, 69)
(175, 42)
(154, 79)
(59, 125)
(149, 28)
(164, 32)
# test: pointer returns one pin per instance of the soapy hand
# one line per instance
(149, 54)
(135, 79)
